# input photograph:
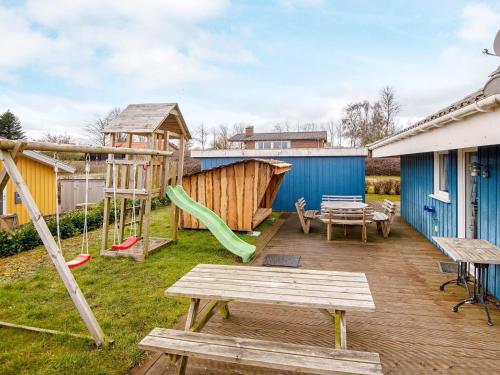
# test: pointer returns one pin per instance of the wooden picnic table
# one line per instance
(333, 293)
(481, 254)
(342, 205)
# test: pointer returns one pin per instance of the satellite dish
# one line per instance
(496, 44)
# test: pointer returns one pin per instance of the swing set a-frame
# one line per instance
(9, 152)
(156, 124)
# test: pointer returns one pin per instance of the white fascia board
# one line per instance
(290, 152)
(480, 129)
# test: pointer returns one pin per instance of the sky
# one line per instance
(63, 63)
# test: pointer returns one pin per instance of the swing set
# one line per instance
(151, 171)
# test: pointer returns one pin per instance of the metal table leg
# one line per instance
(462, 278)
(480, 294)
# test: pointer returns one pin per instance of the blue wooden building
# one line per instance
(450, 170)
(338, 171)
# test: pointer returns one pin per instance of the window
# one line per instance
(272, 145)
(441, 176)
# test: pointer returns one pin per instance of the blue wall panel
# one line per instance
(311, 177)
(489, 207)
(417, 182)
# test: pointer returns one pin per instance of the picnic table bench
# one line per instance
(331, 292)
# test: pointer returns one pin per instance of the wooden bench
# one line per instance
(266, 354)
(345, 217)
(384, 219)
(305, 216)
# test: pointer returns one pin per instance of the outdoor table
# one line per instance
(331, 292)
(339, 205)
(342, 205)
(481, 254)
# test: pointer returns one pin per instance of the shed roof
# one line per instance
(47, 160)
(281, 165)
(149, 117)
(285, 136)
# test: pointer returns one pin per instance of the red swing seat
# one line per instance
(127, 244)
(78, 261)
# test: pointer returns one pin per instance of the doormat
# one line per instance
(281, 260)
(447, 267)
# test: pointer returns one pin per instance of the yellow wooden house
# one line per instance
(38, 171)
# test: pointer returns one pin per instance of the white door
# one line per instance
(471, 202)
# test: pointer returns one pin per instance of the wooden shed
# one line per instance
(241, 193)
(38, 171)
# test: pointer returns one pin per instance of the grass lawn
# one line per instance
(126, 297)
(381, 197)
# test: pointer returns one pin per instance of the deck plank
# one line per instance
(413, 327)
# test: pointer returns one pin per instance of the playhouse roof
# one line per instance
(148, 118)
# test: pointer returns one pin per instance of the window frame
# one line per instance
(259, 144)
(439, 194)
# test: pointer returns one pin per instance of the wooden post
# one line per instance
(105, 220)
(180, 173)
(147, 203)
(190, 319)
(126, 185)
(340, 330)
(166, 163)
(4, 176)
(50, 244)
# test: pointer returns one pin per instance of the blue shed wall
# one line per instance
(311, 177)
(417, 182)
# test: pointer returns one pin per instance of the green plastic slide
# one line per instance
(214, 223)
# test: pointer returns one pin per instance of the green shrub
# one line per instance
(368, 186)
(8, 245)
(71, 224)
(378, 187)
(387, 186)
(26, 237)
(397, 187)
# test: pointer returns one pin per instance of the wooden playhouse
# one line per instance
(241, 193)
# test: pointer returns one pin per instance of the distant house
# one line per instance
(450, 170)
(266, 141)
(38, 172)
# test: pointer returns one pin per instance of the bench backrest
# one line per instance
(389, 208)
(342, 198)
(355, 214)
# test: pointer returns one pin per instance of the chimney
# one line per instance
(248, 131)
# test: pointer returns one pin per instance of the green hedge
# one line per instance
(71, 224)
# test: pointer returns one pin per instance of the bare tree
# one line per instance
(281, 127)
(94, 129)
(57, 138)
(389, 108)
(223, 137)
(202, 135)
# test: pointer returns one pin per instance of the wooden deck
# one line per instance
(413, 327)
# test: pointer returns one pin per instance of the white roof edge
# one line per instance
(47, 160)
(289, 152)
(481, 106)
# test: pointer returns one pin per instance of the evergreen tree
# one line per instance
(10, 126)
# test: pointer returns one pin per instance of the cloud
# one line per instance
(153, 45)
(480, 23)
(40, 114)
